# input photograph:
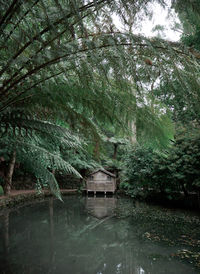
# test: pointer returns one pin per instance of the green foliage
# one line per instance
(189, 14)
(38, 145)
(184, 107)
(176, 170)
(1, 190)
(154, 132)
(76, 43)
(137, 176)
(64, 64)
(192, 40)
(185, 159)
(80, 159)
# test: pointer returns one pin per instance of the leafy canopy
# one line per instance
(67, 58)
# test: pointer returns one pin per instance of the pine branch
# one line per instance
(20, 20)
(14, 99)
(173, 48)
(46, 29)
(9, 12)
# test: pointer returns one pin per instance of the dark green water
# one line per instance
(98, 236)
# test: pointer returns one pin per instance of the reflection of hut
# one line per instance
(100, 207)
(101, 180)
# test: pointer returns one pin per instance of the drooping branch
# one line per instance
(48, 28)
(58, 59)
(15, 99)
(45, 45)
(20, 20)
(10, 11)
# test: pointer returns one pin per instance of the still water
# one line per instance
(99, 235)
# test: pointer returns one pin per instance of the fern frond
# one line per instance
(21, 123)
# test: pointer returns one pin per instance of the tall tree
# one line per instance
(76, 44)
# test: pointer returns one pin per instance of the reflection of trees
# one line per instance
(4, 262)
(6, 232)
(51, 227)
(64, 238)
(102, 246)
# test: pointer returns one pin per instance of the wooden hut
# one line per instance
(101, 180)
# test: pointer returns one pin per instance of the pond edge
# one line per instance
(21, 198)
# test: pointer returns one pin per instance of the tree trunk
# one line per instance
(133, 129)
(96, 150)
(198, 197)
(115, 151)
(82, 180)
(9, 174)
(184, 190)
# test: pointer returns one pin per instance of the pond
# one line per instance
(89, 235)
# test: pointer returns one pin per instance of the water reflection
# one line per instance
(6, 232)
(82, 236)
(101, 207)
(51, 226)
(5, 238)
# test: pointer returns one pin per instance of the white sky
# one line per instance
(160, 17)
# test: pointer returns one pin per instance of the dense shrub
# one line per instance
(1, 190)
(137, 175)
(178, 169)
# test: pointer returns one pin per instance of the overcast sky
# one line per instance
(160, 17)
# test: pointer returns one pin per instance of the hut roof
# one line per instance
(104, 171)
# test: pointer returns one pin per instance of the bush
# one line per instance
(176, 170)
(1, 191)
(137, 176)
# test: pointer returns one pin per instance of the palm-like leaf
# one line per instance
(38, 144)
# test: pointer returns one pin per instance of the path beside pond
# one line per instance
(27, 192)
(20, 196)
